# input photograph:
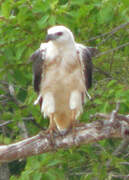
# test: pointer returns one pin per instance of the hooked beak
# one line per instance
(51, 37)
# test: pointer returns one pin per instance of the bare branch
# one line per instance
(30, 118)
(118, 116)
(114, 113)
(112, 50)
(121, 176)
(109, 33)
(6, 123)
(122, 147)
(102, 72)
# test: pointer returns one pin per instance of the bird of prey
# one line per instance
(62, 75)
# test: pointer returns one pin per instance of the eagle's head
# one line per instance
(60, 34)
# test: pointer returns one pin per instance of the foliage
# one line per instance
(23, 26)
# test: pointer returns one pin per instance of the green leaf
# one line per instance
(105, 15)
(20, 50)
(6, 8)
(42, 22)
(54, 162)
(37, 176)
(111, 83)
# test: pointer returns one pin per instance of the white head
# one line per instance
(60, 35)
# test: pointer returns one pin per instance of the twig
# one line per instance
(119, 117)
(103, 72)
(112, 50)
(109, 33)
(122, 147)
(124, 163)
(123, 177)
(34, 122)
(113, 32)
(114, 113)
(24, 119)
(6, 123)
(115, 118)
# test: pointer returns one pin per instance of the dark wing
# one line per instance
(38, 63)
(86, 54)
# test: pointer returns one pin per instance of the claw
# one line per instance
(49, 133)
(63, 132)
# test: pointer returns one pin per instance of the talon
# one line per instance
(63, 132)
(49, 133)
(42, 134)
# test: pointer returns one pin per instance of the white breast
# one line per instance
(51, 52)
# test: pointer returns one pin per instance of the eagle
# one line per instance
(62, 72)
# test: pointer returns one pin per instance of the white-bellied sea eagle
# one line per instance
(62, 75)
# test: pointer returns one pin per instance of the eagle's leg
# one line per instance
(74, 121)
(51, 129)
(73, 117)
(52, 126)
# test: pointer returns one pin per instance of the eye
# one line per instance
(59, 34)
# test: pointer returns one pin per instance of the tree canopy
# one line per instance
(97, 23)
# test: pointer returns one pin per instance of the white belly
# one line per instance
(62, 90)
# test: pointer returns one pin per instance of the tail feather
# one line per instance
(63, 122)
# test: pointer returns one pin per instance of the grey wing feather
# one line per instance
(87, 67)
(38, 62)
(86, 54)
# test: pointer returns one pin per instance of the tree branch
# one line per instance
(83, 134)
(121, 176)
(112, 50)
(109, 33)
(122, 147)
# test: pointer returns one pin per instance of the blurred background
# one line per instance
(97, 23)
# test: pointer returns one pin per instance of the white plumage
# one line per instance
(48, 105)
